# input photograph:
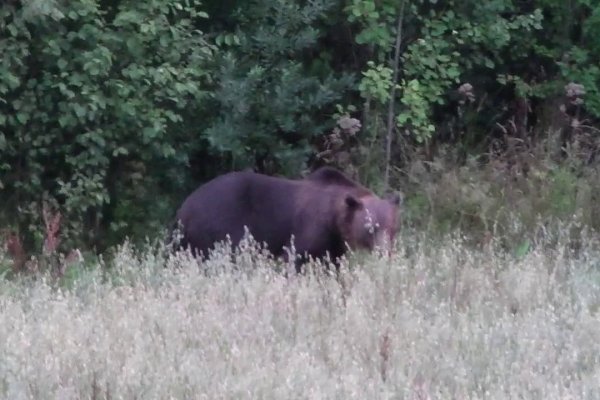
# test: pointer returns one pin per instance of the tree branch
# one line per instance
(392, 105)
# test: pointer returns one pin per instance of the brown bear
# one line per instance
(323, 212)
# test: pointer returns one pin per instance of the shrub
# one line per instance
(92, 103)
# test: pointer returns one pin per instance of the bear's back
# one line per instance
(329, 177)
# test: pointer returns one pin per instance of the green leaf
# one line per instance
(120, 151)
(12, 29)
(22, 117)
(62, 63)
(453, 72)
(402, 119)
(79, 110)
(64, 120)
(522, 249)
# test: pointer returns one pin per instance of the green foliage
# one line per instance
(269, 101)
(562, 192)
(113, 110)
(507, 197)
(416, 110)
(450, 46)
(374, 18)
(446, 45)
(376, 82)
(579, 66)
(83, 92)
(522, 249)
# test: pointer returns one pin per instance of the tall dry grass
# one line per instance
(438, 321)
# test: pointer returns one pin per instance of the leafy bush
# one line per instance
(88, 93)
(445, 45)
(274, 89)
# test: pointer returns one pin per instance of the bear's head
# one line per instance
(371, 222)
(363, 219)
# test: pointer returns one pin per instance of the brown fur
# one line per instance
(323, 212)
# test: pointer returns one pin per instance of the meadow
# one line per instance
(442, 319)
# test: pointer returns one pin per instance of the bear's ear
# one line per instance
(395, 198)
(352, 202)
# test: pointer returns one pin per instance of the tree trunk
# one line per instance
(392, 105)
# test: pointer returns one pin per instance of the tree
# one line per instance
(275, 91)
(93, 108)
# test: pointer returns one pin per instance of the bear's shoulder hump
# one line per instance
(332, 176)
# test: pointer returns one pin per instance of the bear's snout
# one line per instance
(383, 241)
